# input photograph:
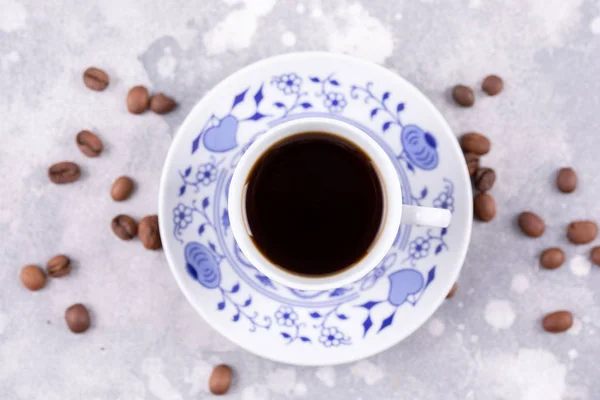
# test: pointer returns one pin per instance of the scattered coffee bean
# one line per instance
(472, 160)
(492, 85)
(161, 104)
(566, 180)
(452, 292)
(64, 172)
(149, 233)
(484, 179)
(121, 189)
(220, 379)
(552, 258)
(558, 321)
(463, 95)
(124, 227)
(58, 266)
(595, 255)
(95, 79)
(138, 100)
(33, 277)
(89, 143)
(531, 224)
(78, 318)
(582, 232)
(484, 207)
(474, 142)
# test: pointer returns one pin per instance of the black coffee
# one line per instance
(314, 204)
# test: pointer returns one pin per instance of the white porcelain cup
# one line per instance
(395, 213)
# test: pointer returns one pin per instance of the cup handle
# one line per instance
(425, 216)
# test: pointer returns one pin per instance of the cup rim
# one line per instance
(392, 203)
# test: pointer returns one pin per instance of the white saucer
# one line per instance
(299, 327)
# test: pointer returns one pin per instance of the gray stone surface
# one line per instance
(146, 341)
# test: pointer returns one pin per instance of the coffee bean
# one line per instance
(95, 79)
(472, 160)
(78, 318)
(124, 227)
(33, 277)
(149, 233)
(89, 143)
(138, 100)
(58, 266)
(558, 321)
(595, 255)
(484, 207)
(121, 189)
(566, 180)
(484, 179)
(582, 232)
(474, 142)
(220, 379)
(161, 104)
(492, 85)
(64, 172)
(552, 258)
(531, 224)
(452, 292)
(463, 95)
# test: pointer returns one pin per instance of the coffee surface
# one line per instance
(314, 204)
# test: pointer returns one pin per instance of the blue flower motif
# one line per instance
(207, 173)
(331, 336)
(444, 200)
(286, 316)
(419, 248)
(335, 102)
(182, 216)
(289, 83)
(420, 147)
(202, 265)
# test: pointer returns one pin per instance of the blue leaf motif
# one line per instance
(201, 229)
(338, 292)
(315, 314)
(374, 112)
(182, 190)
(430, 276)
(424, 192)
(196, 143)
(305, 339)
(444, 231)
(369, 304)
(202, 265)
(367, 324)
(188, 171)
(306, 105)
(212, 246)
(221, 305)
(264, 280)
(225, 219)
(256, 116)
(387, 322)
(400, 107)
(285, 335)
(236, 317)
(205, 202)
(248, 302)
(342, 316)
(239, 98)
(410, 167)
(438, 249)
(386, 126)
(235, 288)
(279, 104)
(334, 82)
(386, 95)
(258, 96)
(314, 79)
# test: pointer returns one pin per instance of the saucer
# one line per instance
(313, 327)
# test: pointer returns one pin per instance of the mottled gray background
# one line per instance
(146, 341)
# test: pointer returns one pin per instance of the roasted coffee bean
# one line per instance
(474, 142)
(484, 179)
(595, 255)
(78, 318)
(492, 85)
(124, 227)
(552, 258)
(220, 379)
(64, 172)
(566, 180)
(121, 189)
(58, 266)
(149, 233)
(582, 232)
(138, 100)
(558, 321)
(472, 160)
(484, 207)
(463, 95)
(95, 79)
(89, 143)
(452, 292)
(33, 277)
(531, 224)
(161, 104)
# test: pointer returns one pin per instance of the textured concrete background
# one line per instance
(146, 341)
